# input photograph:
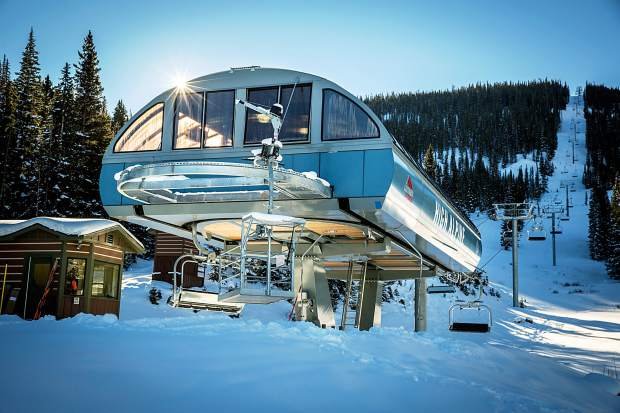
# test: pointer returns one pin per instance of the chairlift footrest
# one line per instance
(470, 327)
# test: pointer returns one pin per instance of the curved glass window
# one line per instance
(256, 131)
(295, 99)
(188, 121)
(144, 134)
(219, 119)
(297, 121)
(344, 119)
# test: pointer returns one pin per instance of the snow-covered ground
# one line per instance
(156, 358)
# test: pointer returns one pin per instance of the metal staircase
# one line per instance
(353, 298)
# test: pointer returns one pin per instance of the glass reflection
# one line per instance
(219, 119)
(144, 134)
(297, 121)
(256, 131)
(188, 121)
(343, 119)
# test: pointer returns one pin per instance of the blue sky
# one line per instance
(367, 47)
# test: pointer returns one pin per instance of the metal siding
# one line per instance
(345, 171)
(378, 170)
(107, 184)
(305, 162)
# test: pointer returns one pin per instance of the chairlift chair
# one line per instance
(440, 289)
(537, 232)
(558, 229)
(467, 326)
(265, 275)
(507, 235)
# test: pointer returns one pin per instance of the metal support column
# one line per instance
(514, 212)
(419, 302)
(553, 236)
(515, 264)
(370, 301)
(311, 277)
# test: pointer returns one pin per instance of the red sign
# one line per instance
(409, 189)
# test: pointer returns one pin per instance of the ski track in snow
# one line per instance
(157, 358)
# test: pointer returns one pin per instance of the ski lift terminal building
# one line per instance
(184, 165)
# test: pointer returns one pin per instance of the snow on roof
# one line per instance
(68, 226)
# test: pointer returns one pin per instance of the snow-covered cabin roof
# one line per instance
(79, 227)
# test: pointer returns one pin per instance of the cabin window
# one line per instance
(297, 121)
(188, 121)
(219, 119)
(74, 278)
(344, 119)
(255, 131)
(105, 280)
(144, 134)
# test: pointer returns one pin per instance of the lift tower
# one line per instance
(514, 212)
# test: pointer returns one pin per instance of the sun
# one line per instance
(179, 80)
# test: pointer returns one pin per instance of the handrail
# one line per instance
(175, 272)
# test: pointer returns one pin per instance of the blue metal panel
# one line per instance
(345, 171)
(107, 184)
(305, 162)
(378, 171)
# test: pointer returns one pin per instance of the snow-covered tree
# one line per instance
(8, 165)
(28, 128)
(598, 228)
(613, 260)
(64, 142)
(45, 162)
(92, 130)
(429, 161)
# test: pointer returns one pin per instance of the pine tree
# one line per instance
(120, 117)
(28, 128)
(46, 167)
(8, 165)
(613, 261)
(429, 162)
(598, 227)
(64, 142)
(92, 129)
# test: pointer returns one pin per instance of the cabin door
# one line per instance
(40, 268)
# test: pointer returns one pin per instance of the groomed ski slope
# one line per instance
(161, 359)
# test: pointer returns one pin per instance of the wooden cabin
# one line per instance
(168, 248)
(82, 259)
